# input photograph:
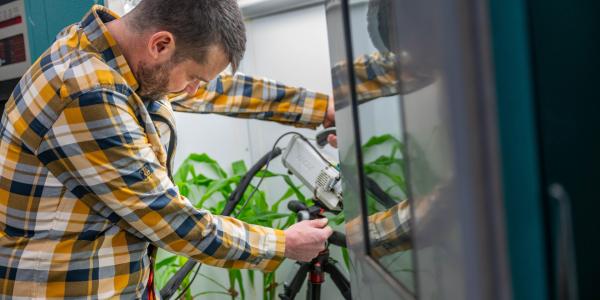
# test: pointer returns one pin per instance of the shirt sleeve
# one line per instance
(374, 77)
(389, 230)
(99, 151)
(248, 97)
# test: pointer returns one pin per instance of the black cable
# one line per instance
(269, 161)
(379, 194)
(238, 194)
(187, 287)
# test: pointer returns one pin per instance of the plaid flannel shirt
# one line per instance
(84, 185)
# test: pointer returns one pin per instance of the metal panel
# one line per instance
(47, 17)
(518, 137)
(14, 55)
(565, 64)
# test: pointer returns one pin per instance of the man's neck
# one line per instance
(126, 41)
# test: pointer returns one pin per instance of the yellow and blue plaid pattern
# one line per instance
(389, 230)
(84, 186)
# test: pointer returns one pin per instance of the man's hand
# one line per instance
(304, 240)
(332, 140)
(329, 114)
(330, 121)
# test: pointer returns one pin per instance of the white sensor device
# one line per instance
(315, 171)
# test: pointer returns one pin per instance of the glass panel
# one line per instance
(402, 58)
(420, 105)
(380, 113)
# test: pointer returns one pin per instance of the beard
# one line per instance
(153, 81)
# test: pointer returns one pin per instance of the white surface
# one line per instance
(292, 48)
(121, 7)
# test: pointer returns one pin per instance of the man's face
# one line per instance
(186, 76)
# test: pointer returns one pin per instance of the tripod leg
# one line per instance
(314, 291)
(290, 290)
(339, 279)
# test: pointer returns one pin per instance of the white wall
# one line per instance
(292, 48)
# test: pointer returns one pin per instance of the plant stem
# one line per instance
(209, 292)
(214, 281)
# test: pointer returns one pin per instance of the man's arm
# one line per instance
(375, 76)
(248, 97)
(98, 150)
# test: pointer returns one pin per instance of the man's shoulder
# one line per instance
(76, 67)
(89, 72)
(61, 75)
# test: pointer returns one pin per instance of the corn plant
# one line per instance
(207, 185)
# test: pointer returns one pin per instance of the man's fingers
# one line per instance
(332, 140)
(329, 114)
(327, 231)
(319, 223)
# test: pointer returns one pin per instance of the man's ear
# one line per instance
(161, 46)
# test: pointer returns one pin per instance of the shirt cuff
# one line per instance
(275, 251)
(313, 110)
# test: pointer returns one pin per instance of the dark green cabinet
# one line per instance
(46, 18)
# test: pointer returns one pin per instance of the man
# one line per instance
(86, 145)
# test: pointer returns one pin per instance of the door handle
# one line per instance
(565, 268)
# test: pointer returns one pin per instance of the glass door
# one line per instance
(415, 134)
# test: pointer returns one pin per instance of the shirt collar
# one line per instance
(93, 26)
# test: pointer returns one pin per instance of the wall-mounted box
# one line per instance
(14, 40)
(27, 29)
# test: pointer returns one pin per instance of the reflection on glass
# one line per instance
(395, 61)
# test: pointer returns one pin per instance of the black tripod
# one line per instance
(316, 269)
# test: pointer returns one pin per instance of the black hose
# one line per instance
(380, 195)
(238, 193)
(236, 196)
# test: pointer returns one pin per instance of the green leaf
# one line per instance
(251, 277)
(231, 282)
(238, 277)
(211, 163)
(296, 190)
(183, 172)
(337, 219)
(239, 167)
(202, 180)
(266, 174)
(396, 178)
(381, 139)
(288, 222)
(165, 262)
(346, 257)
(266, 217)
(387, 161)
(216, 186)
(286, 195)
(260, 201)
(184, 189)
